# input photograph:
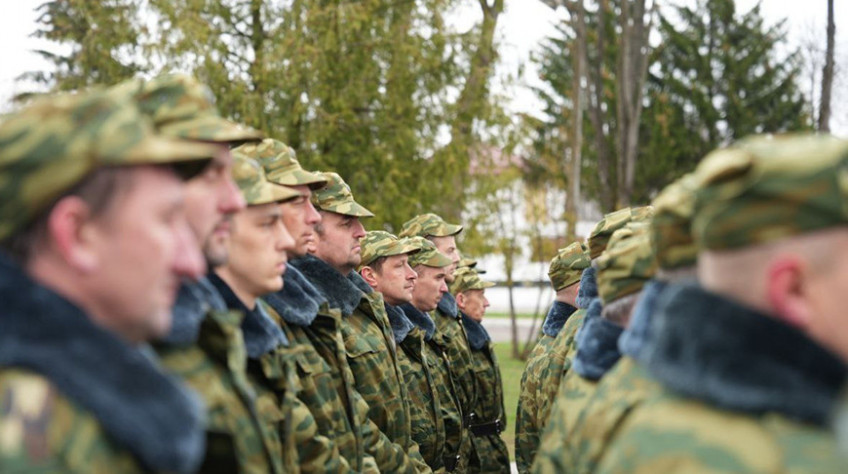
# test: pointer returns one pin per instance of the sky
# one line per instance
(523, 25)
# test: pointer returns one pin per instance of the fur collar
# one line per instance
(261, 334)
(419, 319)
(588, 288)
(360, 283)
(478, 337)
(299, 301)
(143, 410)
(401, 325)
(634, 338)
(556, 318)
(339, 291)
(597, 344)
(447, 306)
(194, 301)
(713, 349)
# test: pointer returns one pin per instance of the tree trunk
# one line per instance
(577, 58)
(595, 77)
(827, 72)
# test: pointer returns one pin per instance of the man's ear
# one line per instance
(460, 301)
(368, 274)
(71, 234)
(786, 291)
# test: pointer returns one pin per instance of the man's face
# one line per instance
(429, 288)
(338, 243)
(447, 245)
(300, 218)
(143, 246)
(258, 250)
(211, 200)
(396, 280)
(473, 303)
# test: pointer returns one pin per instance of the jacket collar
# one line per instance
(401, 325)
(145, 411)
(261, 334)
(478, 337)
(419, 319)
(338, 290)
(597, 344)
(447, 306)
(194, 301)
(556, 318)
(711, 348)
(299, 301)
(636, 336)
(588, 288)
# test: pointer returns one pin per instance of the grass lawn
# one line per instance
(511, 370)
(490, 314)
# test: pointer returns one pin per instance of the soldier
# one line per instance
(92, 220)
(747, 360)
(431, 267)
(565, 272)
(365, 328)
(622, 270)
(238, 439)
(385, 267)
(493, 456)
(447, 319)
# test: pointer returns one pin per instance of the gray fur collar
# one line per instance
(261, 334)
(447, 306)
(194, 301)
(401, 325)
(299, 301)
(337, 289)
(710, 348)
(419, 319)
(143, 410)
(597, 344)
(634, 338)
(478, 337)
(588, 288)
(556, 318)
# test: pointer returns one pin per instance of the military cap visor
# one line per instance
(468, 279)
(370, 253)
(297, 176)
(254, 186)
(337, 197)
(210, 128)
(428, 255)
(428, 225)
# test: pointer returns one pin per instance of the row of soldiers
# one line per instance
(706, 332)
(180, 295)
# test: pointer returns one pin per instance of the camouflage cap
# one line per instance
(428, 255)
(642, 213)
(337, 197)
(256, 189)
(600, 235)
(379, 243)
(627, 263)
(181, 106)
(465, 279)
(426, 225)
(51, 145)
(280, 163)
(671, 227)
(767, 188)
(568, 265)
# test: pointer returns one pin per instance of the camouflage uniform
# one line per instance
(73, 396)
(757, 191)
(449, 325)
(489, 447)
(565, 270)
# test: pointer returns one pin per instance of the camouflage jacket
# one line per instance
(76, 398)
(755, 402)
(372, 357)
(298, 371)
(214, 363)
(426, 423)
(457, 439)
(528, 427)
(490, 416)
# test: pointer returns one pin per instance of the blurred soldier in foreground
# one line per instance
(448, 322)
(385, 267)
(470, 293)
(365, 328)
(750, 360)
(565, 271)
(92, 213)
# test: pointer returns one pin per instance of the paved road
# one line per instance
(500, 329)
